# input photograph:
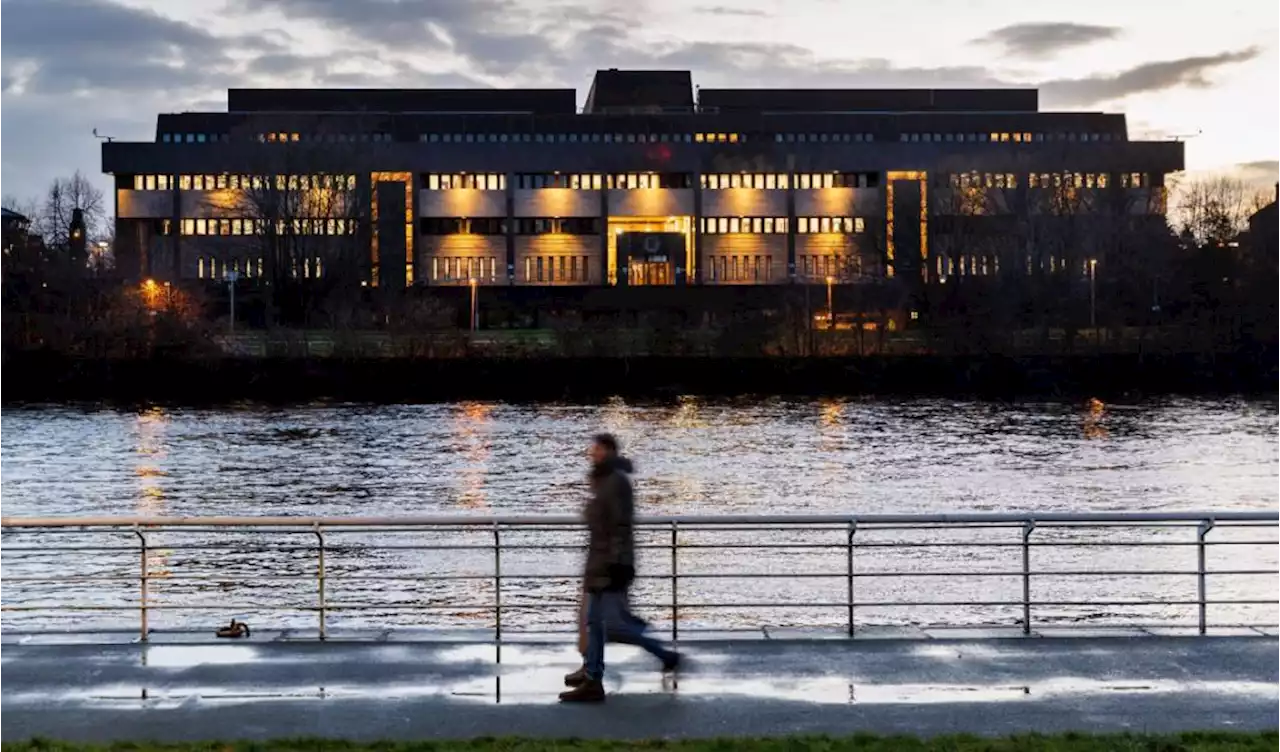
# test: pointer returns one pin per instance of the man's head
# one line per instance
(604, 447)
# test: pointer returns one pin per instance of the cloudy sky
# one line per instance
(1176, 67)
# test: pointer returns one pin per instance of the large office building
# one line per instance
(651, 182)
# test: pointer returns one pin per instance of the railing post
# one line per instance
(675, 585)
(1201, 589)
(853, 528)
(1026, 575)
(497, 585)
(143, 628)
(320, 583)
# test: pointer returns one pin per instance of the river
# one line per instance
(692, 455)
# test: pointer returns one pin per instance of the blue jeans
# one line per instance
(607, 615)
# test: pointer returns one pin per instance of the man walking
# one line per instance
(609, 571)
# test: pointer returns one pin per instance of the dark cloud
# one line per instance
(98, 46)
(1262, 172)
(1042, 40)
(1143, 79)
(723, 10)
(392, 22)
(71, 65)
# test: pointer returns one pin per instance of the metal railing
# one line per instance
(1090, 548)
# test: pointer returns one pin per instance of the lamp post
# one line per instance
(231, 284)
(473, 305)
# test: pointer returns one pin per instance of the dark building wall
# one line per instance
(402, 100)
(1158, 157)
(864, 100)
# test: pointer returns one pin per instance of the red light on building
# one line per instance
(658, 153)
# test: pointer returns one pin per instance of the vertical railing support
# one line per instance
(853, 528)
(1027, 528)
(322, 600)
(497, 587)
(675, 584)
(1201, 589)
(144, 628)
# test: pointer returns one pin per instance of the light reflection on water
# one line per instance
(693, 456)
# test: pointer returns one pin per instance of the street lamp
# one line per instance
(231, 284)
(473, 304)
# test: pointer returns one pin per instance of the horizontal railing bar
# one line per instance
(574, 604)
(816, 629)
(682, 520)
(338, 578)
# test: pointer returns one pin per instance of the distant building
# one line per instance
(1264, 225)
(17, 235)
(649, 184)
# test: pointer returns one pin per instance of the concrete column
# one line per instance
(696, 235)
(605, 233)
(391, 234)
(791, 227)
(511, 228)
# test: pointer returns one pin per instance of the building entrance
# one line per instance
(650, 250)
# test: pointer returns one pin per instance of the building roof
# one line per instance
(616, 90)
(869, 100)
(13, 216)
(540, 101)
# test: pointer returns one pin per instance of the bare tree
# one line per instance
(53, 215)
(1214, 210)
(307, 227)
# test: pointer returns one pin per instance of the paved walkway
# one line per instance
(371, 690)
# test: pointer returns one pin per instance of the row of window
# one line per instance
(1017, 137)
(327, 138)
(237, 226)
(778, 225)
(457, 269)
(243, 182)
(1007, 138)
(803, 181)
(485, 181)
(278, 137)
(1048, 180)
(498, 181)
(740, 268)
(557, 268)
(215, 268)
(967, 266)
(519, 225)
(582, 138)
(834, 266)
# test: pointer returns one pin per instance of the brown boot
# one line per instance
(590, 690)
(576, 678)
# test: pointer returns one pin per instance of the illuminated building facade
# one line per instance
(647, 184)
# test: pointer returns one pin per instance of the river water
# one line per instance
(769, 456)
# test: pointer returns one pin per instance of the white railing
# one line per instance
(1022, 569)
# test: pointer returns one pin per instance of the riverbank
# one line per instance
(49, 378)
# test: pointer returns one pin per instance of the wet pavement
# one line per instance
(364, 690)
